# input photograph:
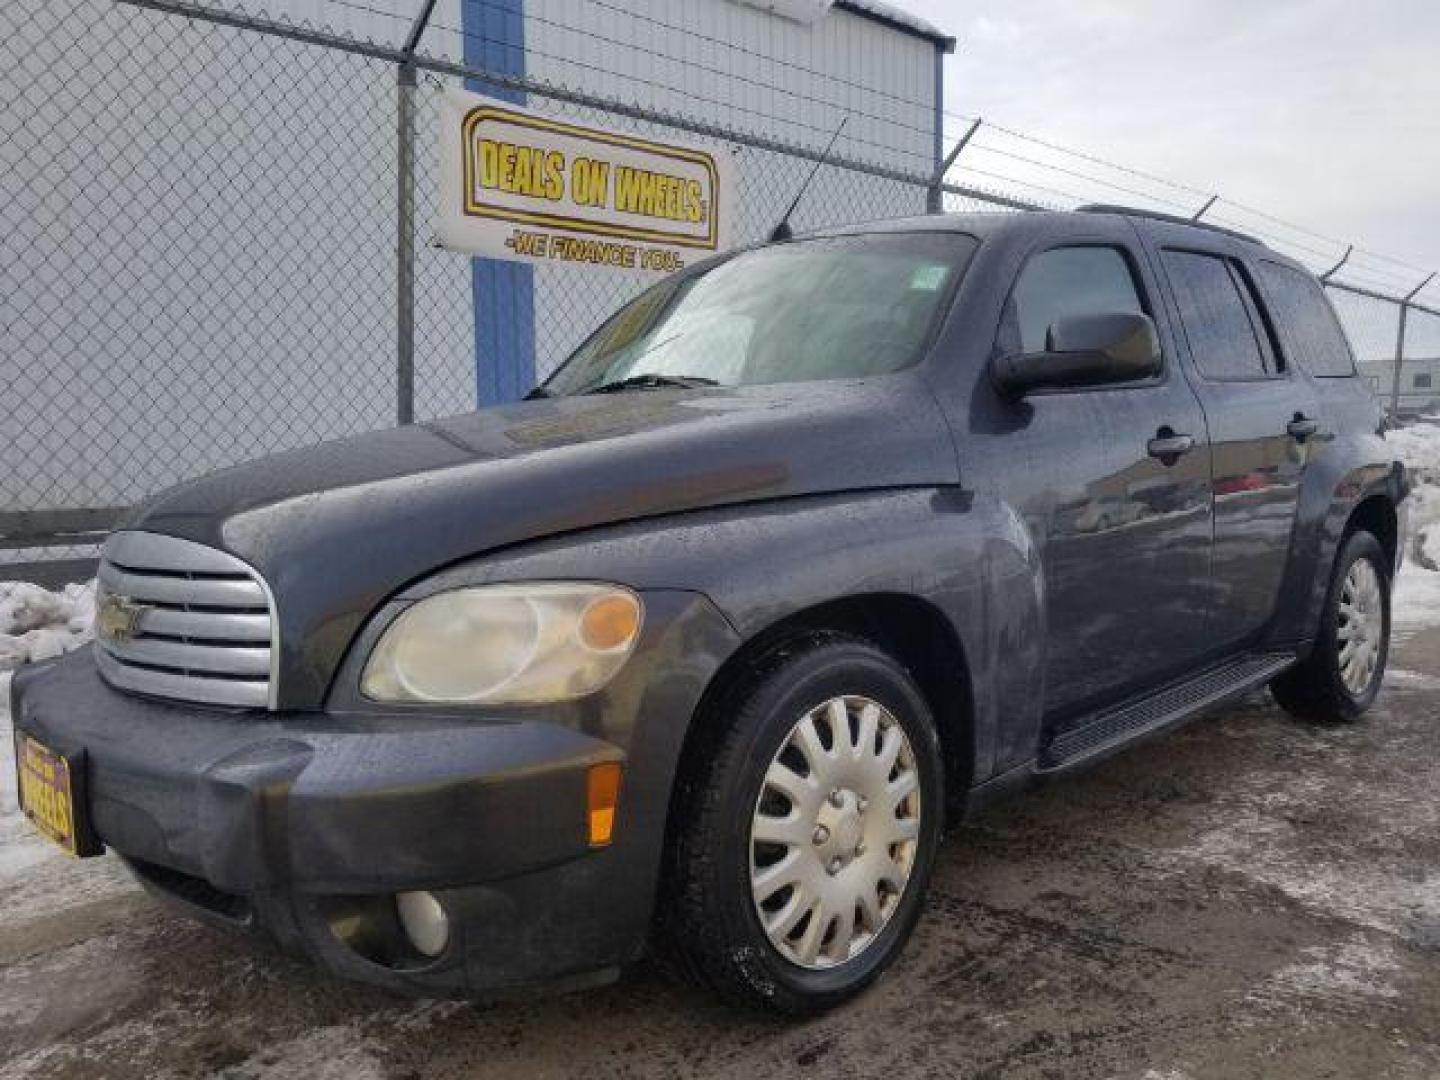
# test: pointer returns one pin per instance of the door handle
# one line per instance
(1168, 447)
(1302, 427)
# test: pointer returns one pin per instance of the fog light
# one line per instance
(425, 922)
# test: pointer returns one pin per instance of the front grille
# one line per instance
(176, 619)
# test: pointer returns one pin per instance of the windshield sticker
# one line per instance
(928, 278)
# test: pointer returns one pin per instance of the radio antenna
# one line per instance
(783, 230)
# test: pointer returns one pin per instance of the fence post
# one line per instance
(405, 247)
(1399, 359)
(1325, 277)
(405, 88)
(935, 196)
(1400, 343)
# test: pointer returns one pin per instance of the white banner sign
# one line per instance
(518, 185)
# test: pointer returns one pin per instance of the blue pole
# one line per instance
(503, 292)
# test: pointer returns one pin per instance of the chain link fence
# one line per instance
(168, 225)
(206, 250)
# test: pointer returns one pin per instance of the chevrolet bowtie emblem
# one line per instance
(118, 617)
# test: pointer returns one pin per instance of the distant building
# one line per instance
(1419, 381)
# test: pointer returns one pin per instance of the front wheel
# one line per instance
(809, 831)
(1340, 678)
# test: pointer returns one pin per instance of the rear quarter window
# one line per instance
(1217, 311)
(1310, 332)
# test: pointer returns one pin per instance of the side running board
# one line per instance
(1109, 731)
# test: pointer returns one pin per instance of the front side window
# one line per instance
(1065, 282)
(828, 308)
(1221, 323)
(1313, 336)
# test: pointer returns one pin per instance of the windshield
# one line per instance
(828, 308)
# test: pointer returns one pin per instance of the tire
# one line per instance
(712, 917)
(1319, 688)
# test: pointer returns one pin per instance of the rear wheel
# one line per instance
(1340, 678)
(809, 831)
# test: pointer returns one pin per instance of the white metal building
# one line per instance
(197, 241)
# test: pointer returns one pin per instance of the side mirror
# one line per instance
(1085, 350)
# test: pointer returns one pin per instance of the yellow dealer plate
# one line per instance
(47, 793)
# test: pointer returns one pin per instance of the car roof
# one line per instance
(986, 224)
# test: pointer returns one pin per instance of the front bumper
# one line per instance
(305, 825)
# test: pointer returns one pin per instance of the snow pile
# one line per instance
(1418, 445)
(1416, 600)
(36, 624)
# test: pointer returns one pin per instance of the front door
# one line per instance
(1115, 481)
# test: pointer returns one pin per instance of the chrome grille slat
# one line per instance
(209, 625)
(179, 556)
(216, 659)
(211, 592)
(241, 693)
(203, 628)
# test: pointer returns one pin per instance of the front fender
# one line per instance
(760, 563)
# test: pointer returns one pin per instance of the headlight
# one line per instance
(505, 644)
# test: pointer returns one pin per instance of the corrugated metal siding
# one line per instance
(747, 69)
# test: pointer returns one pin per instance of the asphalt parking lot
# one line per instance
(1249, 897)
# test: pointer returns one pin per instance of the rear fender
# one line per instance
(1345, 473)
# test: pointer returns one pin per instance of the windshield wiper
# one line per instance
(652, 381)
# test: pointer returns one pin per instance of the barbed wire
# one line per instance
(1082, 155)
(1377, 276)
(981, 147)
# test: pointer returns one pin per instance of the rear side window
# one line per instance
(1062, 282)
(1307, 323)
(1222, 324)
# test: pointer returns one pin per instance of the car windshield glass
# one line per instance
(828, 308)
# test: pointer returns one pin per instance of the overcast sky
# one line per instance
(1324, 112)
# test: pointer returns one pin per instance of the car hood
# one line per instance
(337, 528)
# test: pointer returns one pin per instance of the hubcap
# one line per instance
(835, 832)
(1360, 627)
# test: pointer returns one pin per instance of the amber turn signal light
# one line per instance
(610, 623)
(603, 795)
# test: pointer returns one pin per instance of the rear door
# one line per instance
(1262, 418)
